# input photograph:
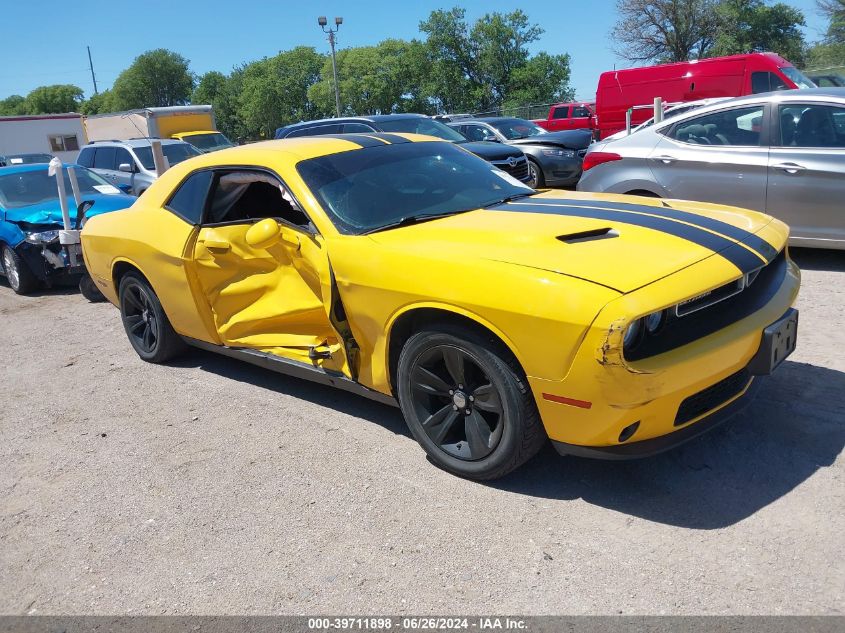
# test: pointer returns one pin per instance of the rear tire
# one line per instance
(20, 277)
(489, 424)
(147, 326)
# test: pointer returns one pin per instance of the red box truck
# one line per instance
(732, 76)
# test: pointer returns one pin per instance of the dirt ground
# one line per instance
(213, 487)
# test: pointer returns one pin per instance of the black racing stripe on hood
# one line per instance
(739, 256)
(358, 139)
(390, 138)
(739, 234)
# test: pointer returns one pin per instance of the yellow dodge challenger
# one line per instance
(408, 270)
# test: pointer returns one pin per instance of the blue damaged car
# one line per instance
(31, 218)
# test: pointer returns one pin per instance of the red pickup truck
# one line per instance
(569, 116)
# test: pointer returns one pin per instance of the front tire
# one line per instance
(467, 404)
(536, 180)
(89, 289)
(147, 326)
(20, 277)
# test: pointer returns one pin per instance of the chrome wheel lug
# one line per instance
(468, 412)
(455, 407)
(451, 392)
(472, 398)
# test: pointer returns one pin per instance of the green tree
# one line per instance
(274, 91)
(380, 79)
(663, 31)
(489, 64)
(156, 78)
(752, 26)
(99, 103)
(53, 99)
(221, 92)
(13, 106)
(834, 11)
(542, 79)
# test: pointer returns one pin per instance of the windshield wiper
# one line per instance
(511, 198)
(411, 219)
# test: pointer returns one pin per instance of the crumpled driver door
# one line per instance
(276, 299)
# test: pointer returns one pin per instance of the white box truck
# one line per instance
(193, 124)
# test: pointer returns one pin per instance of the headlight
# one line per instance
(632, 334)
(43, 237)
(559, 153)
(655, 321)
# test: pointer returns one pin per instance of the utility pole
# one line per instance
(91, 66)
(322, 21)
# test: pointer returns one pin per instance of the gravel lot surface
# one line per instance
(210, 486)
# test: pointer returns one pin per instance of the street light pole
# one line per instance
(322, 21)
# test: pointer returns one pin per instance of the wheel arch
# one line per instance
(120, 267)
(415, 318)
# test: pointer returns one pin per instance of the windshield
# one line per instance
(797, 77)
(365, 191)
(175, 153)
(25, 188)
(513, 129)
(422, 126)
(208, 142)
(29, 159)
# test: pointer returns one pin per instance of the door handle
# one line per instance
(666, 160)
(216, 245)
(790, 168)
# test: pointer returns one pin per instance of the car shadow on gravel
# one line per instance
(795, 426)
(818, 259)
(351, 404)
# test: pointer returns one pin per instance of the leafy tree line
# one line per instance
(458, 66)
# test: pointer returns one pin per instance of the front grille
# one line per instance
(518, 170)
(708, 399)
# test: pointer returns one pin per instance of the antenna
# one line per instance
(91, 66)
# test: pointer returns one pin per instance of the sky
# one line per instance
(44, 42)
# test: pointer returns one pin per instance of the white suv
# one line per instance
(129, 164)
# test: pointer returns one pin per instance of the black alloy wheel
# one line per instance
(467, 403)
(146, 325)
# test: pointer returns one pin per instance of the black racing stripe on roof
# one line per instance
(739, 256)
(391, 138)
(756, 242)
(358, 139)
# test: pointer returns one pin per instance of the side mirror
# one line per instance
(264, 234)
(125, 167)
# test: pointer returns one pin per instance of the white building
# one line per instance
(59, 134)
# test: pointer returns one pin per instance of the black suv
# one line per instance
(508, 159)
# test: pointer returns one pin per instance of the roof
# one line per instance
(16, 169)
(373, 118)
(42, 117)
(135, 142)
(157, 111)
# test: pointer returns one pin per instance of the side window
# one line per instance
(766, 82)
(241, 196)
(561, 112)
(356, 128)
(317, 130)
(104, 158)
(738, 127)
(810, 125)
(189, 200)
(86, 157)
(121, 156)
(474, 132)
(580, 112)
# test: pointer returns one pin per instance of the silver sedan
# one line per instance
(782, 153)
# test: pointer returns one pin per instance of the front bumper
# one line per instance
(560, 172)
(656, 445)
(48, 262)
(602, 395)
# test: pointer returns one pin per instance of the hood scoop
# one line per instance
(588, 236)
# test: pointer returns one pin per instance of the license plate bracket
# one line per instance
(778, 342)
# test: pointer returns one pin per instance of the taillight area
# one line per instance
(597, 158)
